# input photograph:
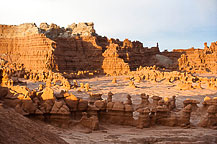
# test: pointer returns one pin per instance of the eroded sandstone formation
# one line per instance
(112, 64)
(78, 53)
(72, 49)
(200, 60)
(158, 112)
(182, 80)
(46, 48)
(35, 51)
(56, 107)
(49, 56)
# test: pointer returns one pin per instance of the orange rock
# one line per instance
(71, 97)
(48, 94)
(207, 98)
(114, 80)
(199, 60)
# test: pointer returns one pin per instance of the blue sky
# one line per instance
(172, 23)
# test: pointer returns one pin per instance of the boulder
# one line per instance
(48, 94)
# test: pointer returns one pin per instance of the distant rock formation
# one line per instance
(200, 60)
(112, 64)
(75, 48)
(53, 31)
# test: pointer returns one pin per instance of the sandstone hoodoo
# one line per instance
(72, 82)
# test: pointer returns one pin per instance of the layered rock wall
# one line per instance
(136, 55)
(35, 51)
(200, 61)
(74, 48)
(78, 53)
(51, 47)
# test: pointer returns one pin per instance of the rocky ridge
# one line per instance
(200, 60)
(77, 47)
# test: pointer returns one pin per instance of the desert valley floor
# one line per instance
(110, 133)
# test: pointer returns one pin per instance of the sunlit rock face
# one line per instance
(77, 47)
(200, 60)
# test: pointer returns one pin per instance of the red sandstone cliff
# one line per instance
(74, 48)
(78, 53)
(34, 51)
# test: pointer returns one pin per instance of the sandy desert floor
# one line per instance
(127, 134)
(103, 85)
(115, 134)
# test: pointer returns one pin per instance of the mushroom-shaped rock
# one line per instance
(100, 104)
(212, 109)
(110, 94)
(210, 119)
(185, 116)
(110, 105)
(172, 103)
(145, 101)
(192, 102)
(188, 108)
(207, 102)
(144, 118)
(144, 96)
(161, 102)
(156, 99)
(118, 106)
(161, 113)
